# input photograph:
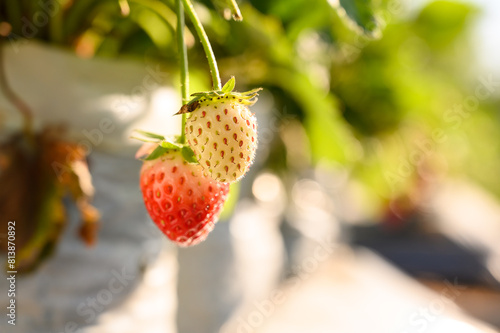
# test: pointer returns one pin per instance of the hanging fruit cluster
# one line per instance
(185, 180)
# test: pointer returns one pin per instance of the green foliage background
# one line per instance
(376, 89)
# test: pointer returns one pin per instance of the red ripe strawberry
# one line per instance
(222, 132)
(183, 202)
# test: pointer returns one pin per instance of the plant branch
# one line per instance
(181, 48)
(11, 96)
(207, 47)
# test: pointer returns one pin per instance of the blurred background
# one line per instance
(373, 203)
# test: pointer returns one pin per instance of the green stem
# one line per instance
(181, 47)
(234, 10)
(56, 24)
(202, 35)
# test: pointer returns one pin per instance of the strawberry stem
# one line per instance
(181, 47)
(207, 47)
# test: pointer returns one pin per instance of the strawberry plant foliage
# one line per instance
(360, 12)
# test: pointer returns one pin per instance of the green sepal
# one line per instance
(229, 86)
(227, 93)
(165, 145)
(157, 153)
(150, 135)
(188, 155)
(169, 145)
(144, 139)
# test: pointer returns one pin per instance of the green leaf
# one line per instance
(229, 86)
(441, 22)
(188, 154)
(159, 151)
(361, 13)
(150, 135)
(153, 25)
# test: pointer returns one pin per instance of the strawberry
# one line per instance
(222, 131)
(181, 200)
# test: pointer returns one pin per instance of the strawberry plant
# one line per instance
(185, 184)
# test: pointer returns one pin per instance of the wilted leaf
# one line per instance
(36, 175)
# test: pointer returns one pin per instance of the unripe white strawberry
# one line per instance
(222, 132)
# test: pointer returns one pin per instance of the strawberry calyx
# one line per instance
(164, 145)
(215, 96)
